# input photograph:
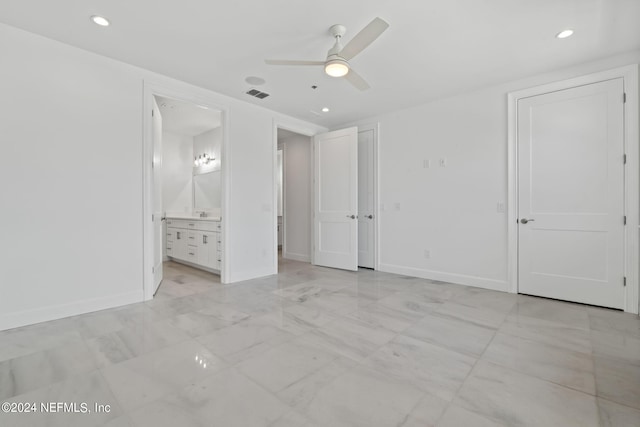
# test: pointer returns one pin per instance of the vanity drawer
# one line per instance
(208, 225)
(178, 223)
(192, 254)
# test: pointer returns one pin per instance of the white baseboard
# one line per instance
(460, 279)
(296, 257)
(44, 314)
(241, 277)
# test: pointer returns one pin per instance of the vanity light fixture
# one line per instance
(203, 159)
(100, 20)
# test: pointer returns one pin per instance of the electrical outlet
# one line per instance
(397, 206)
(426, 163)
(443, 162)
(500, 207)
(427, 254)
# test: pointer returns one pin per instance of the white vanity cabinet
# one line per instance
(196, 242)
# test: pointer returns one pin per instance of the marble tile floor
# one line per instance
(328, 348)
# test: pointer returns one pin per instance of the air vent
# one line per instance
(257, 94)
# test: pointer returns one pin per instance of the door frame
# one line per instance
(375, 127)
(629, 74)
(196, 96)
(283, 148)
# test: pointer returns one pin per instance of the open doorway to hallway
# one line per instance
(296, 191)
(294, 196)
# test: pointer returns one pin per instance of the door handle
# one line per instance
(525, 220)
(178, 235)
(351, 216)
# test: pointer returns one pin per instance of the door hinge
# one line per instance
(624, 97)
(624, 220)
(624, 282)
(153, 270)
(624, 159)
(151, 113)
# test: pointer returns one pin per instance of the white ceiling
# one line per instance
(186, 118)
(432, 48)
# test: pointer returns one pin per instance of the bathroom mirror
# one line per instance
(206, 191)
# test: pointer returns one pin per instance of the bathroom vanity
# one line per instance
(195, 241)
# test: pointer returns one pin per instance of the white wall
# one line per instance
(177, 172)
(452, 211)
(297, 197)
(71, 173)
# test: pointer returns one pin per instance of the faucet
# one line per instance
(203, 214)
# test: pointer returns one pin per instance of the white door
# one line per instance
(366, 219)
(570, 201)
(157, 196)
(336, 199)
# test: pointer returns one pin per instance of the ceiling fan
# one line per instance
(337, 62)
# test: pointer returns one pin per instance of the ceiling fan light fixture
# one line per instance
(336, 68)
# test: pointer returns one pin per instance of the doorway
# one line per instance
(299, 168)
(294, 191)
(570, 194)
(573, 190)
(184, 187)
(187, 186)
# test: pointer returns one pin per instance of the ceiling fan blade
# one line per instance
(292, 62)
(356, 80)
(364, 38)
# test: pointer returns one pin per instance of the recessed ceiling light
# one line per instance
(100, 20)
(254, 80)
(325, 110)
(564, 34)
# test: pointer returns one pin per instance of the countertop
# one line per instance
(193, 217)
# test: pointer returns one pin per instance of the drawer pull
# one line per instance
(191, 253)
